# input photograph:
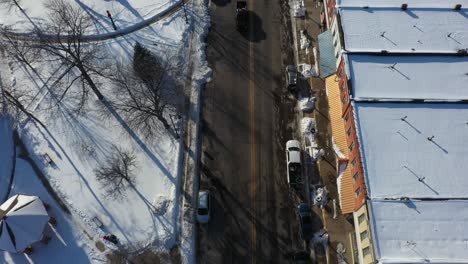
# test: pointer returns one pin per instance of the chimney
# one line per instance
(404, 6)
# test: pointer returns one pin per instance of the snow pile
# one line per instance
(308, 125)
(307, 104)
(305, 41)
(299, 9)
(309, 130)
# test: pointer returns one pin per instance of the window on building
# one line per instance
(357, 192)
(361, 218)
(345, 99)
(353, 163)
(364, 235)
(366, 251)
(355, 177)
(346, 118)
(348, 133)
(351, 147)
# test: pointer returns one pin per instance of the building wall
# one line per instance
(336, 41)
(331, 11)
(364, 246)
(352, 139)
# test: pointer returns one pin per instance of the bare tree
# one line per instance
(146, 93)
(11, 3)
(117, 172)
(83, 61)
(14, 100)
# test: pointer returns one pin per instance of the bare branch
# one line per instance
(118, 172)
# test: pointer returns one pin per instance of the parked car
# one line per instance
(203, 212)
(293, 160)
(291, 76)
(305, 220)
(242, 18)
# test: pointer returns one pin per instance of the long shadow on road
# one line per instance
(225, 194)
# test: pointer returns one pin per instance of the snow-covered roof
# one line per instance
(424, 27)
(420, 231)
(409, 77)
(412, 3)
(399, 159)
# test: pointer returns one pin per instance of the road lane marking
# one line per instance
(253, 168)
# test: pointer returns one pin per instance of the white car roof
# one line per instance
(293, 143)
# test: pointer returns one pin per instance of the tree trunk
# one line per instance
(90, 82)
(164, 122)
(22, 108)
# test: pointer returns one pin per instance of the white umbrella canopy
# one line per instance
(22, 222)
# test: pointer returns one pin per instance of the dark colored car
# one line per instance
(305, 220)
(241, 16)
(291, 77)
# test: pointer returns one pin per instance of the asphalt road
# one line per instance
(247, 117)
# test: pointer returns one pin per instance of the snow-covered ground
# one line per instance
(124, 13)
(147, 215)
(69, 244)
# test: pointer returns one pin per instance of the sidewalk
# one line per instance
(339, 228)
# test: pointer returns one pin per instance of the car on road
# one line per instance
(241, 16)
(304, 213)
(293, 160)
(203, 211)
(291, 77)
